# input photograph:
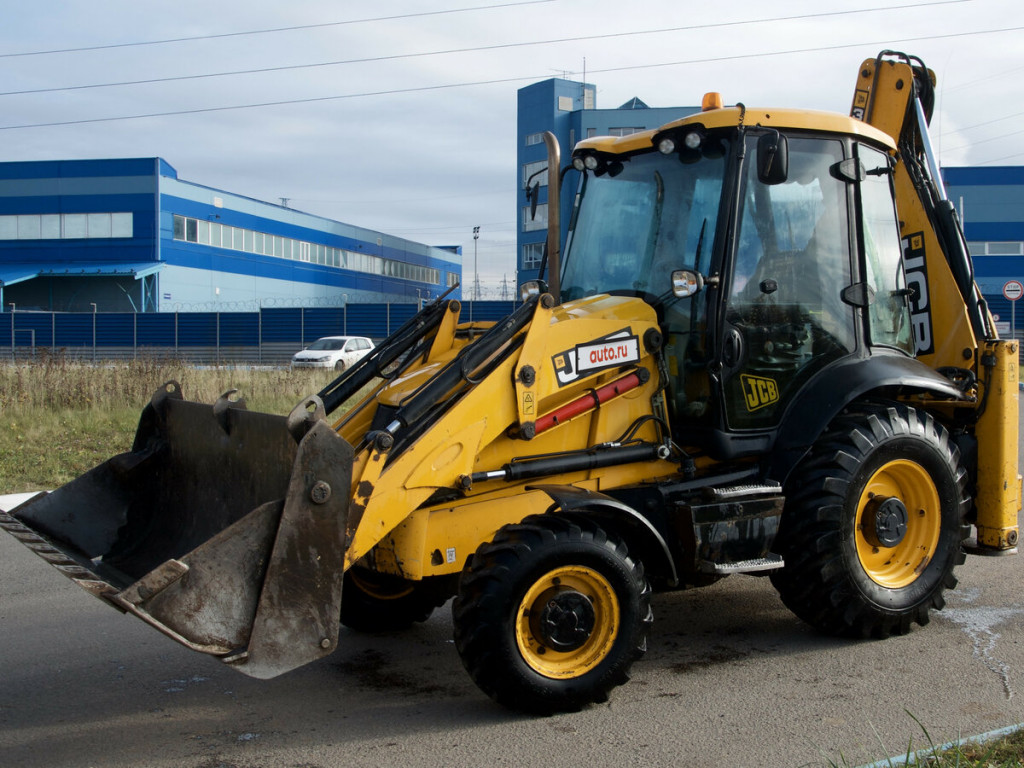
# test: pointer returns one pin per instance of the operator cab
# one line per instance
(748, 243)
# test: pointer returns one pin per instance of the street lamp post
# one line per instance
(476, 275)
(93, 305)
(345, 309)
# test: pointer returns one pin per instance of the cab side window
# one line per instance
(888, 309)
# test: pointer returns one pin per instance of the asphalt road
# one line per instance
(731, 678)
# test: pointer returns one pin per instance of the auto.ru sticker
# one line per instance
(610, 351)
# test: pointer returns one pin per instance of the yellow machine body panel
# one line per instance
(999, 481)
(797, 119)
(472, 435)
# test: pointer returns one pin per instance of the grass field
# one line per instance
(59, 418)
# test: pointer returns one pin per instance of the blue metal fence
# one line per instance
(270, 335)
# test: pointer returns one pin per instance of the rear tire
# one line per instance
(551, 615)
(874, 524)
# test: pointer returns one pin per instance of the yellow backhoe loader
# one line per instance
(763, 352)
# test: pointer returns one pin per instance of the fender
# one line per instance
(834, 388)
(643, 538)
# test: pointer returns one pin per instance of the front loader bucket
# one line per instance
(223, 528)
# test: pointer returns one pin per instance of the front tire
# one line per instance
(379, 602)
(551, 615)
(874, 524)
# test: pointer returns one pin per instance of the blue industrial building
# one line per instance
(990, 200)
(130, 236)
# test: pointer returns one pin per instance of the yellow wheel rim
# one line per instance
(379, 587)
(567, 622)
(891, 555)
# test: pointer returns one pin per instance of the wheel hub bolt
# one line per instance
(566, 621)
(885, 522)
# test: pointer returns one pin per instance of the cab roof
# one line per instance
(793, 119)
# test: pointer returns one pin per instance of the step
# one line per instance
(743, 491)
(757, 565)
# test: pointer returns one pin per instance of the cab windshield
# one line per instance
(634, 227)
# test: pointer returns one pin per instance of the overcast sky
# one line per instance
(401, 116)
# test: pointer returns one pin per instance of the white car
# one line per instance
(338, 352)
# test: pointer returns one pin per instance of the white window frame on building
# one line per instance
(204, 232)
(996, 248)
(67, 226)
(531, 168)
(533, 255)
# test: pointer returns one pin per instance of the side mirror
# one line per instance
(686, 283)
(532, 288)
(533, 191)
(852, 170)
(772, 158)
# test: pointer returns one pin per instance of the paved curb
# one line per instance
(11, 500)
(894, 762)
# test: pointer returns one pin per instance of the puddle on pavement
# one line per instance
(979, 623)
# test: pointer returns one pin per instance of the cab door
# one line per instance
(784, 316)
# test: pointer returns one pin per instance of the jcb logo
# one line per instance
(860, 103)
(917, 279)
(759, 392)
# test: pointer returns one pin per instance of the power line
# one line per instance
(983, 141)
(474, 195)
(498, 81)
(997, 159)
(475, 49)
(959, 86)
(269, 31)
(983, 124)
(497, 226)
